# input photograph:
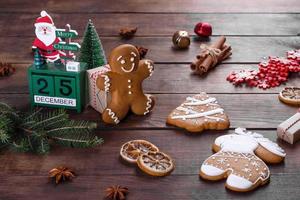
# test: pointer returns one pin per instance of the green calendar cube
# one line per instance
(53, 86)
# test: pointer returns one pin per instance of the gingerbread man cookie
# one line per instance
(124, 82)
(198, 113)
(241, 159)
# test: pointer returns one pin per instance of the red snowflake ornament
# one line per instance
(293, 55)
(271, 73)
(242, 76)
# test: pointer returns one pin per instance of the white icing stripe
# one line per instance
(215, 118)
(113, 115)
(197, 102)
(148, 105)
(198, 115)
(106, 83)
(150, 67)
(189, 111)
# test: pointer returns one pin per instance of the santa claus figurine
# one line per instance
(46, 38)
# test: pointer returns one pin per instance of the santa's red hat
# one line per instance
(44, 19)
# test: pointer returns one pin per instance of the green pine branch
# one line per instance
(35, 131)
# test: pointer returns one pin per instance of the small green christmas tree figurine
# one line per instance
(91, 51)
(39, 61)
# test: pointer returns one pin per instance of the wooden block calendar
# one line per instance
(54, 86)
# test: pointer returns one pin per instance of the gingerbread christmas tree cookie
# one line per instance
(198, 113)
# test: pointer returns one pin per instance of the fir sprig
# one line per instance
(35, 131)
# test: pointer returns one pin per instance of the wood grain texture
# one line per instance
(182, 80)
(256, 29)
(175, 6)
(161, 50)
(223, 24)
(187, 150)
(142, 187)
(244, 110)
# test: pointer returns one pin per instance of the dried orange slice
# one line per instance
(130, 151)
(156, 163)
(290, 95)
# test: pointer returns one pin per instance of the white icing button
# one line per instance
(129, 81)
(129, 86)
(129, 92)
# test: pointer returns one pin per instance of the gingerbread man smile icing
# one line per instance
(124, 82)
(241, 159)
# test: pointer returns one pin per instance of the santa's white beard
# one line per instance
(48, 38)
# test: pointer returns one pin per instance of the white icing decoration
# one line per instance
(211, 170)
(238, 182)
(197, 102)
(246, 170)
(264, 142)
(129, 81)
(198, 115)
(106, 82)
(134, 54)
(221, 160)
(150, 67)
(113, 115)
(119, 58)
(148, 106)
(129, 92)
(129, 70)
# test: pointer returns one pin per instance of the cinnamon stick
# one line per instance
(209, 56)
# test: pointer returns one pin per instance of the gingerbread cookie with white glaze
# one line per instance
(198, 113)
(241, 158)
(124, 82)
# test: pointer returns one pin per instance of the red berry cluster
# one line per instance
(270, 74)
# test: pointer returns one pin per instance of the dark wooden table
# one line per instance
(255, 29)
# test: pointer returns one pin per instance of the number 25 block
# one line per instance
(55, 87)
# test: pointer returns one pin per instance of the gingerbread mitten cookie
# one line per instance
(240, 158)
(198, 113)
(124, 82)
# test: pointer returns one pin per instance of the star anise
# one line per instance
(127, 32)
(116, 192)
(6, 69)
(142, 51)
(61, 174)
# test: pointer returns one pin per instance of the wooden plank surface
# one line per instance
(242, 109)
(143, 187)
(255, 29)
(223, 24)
(153, 6)
(182, 80)
(245, 49)
(187, 150)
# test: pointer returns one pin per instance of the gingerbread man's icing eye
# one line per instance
(132, 59)
(122, 61)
